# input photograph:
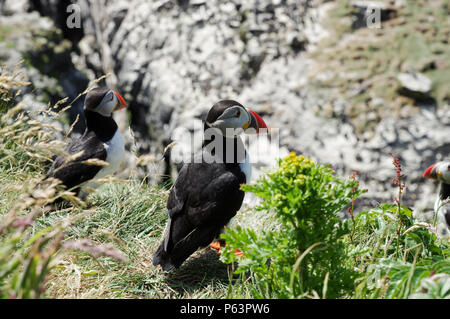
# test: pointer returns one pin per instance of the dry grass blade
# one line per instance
(168, 147)
(90, 87)
(111, 179)
(13, 111)
(58, 103)
(420, 225)
(72, 126)
(97, 250)
(69, 159)
(145, 159)
(95, 162)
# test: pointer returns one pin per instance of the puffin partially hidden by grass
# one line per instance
(441, 172)
(102, 140)
(207, 194)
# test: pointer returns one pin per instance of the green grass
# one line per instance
(132, 216)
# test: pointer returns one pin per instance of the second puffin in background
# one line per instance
(441, 172)
(102, 140)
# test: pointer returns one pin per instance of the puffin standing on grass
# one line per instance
(102, 140)
(207, 194)
(441, 172)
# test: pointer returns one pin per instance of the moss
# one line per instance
(5, 31)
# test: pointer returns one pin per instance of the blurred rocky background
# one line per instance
(344, 87)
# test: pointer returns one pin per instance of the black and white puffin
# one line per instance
(101, 140)
(441, 172)
(207, 194)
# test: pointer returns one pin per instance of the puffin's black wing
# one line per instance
(203, 200)
(75, 172)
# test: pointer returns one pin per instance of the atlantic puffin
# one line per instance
(206, 193)
(101, 140)
(441, 172)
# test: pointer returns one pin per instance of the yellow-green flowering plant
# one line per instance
(304, 255)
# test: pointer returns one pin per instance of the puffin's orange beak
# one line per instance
(257, 122)
(122, 103)
(431, 172)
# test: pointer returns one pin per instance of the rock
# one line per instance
(10, 7)
(415, 85)
(298, 42)
(47, 65)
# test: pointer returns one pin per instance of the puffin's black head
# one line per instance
(229, 114)
(103, 101)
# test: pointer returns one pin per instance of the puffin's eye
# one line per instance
(238, 113)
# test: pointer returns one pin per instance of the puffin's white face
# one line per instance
(104, 101)
(439, 171)
(233, 121)
(109, 104)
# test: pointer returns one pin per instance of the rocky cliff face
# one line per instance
(172, 60)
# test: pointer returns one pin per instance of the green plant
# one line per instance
(28, 253)
(393, 265)
(433, 287)
(394, 251)
(306, 254)
(23, 267)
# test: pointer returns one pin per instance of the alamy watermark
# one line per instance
(73, 20)
(216, 148)
(373, 17)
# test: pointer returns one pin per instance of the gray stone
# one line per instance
(415, 85)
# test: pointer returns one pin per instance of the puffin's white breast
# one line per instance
(115, 150)
(440, 210)
(246, 168)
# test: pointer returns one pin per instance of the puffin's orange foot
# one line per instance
(216, 245)
(238, 253)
